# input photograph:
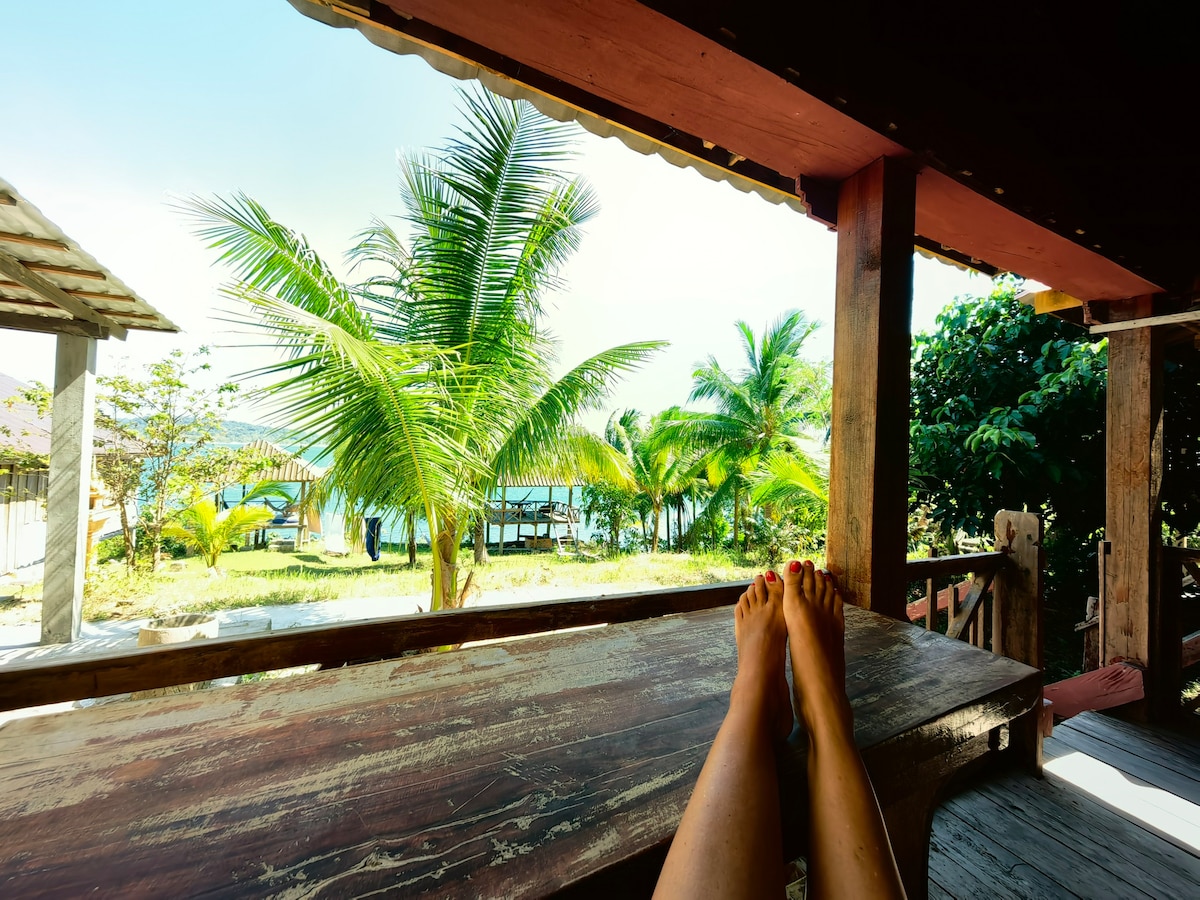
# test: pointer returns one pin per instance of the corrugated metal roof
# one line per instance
(49, 284)
(293, 469)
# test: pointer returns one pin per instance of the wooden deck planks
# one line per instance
(1070, 817)
(1016, 836)
(1138, 762)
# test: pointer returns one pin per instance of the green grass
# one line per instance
(262, 578)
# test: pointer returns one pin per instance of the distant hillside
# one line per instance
(232, 432)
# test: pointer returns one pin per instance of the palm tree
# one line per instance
(431, 380)
(203, 527)
(759, 413)
(658, 470)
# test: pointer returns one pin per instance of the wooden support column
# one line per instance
(1133, 522)
(1017, 590)
(868, 478)
(73, 414)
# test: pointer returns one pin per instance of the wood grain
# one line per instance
(102, 675)
(1129, 617)
(653, 76)
(515, 769)
(961, 564)
(1017, 597)
(868, 474)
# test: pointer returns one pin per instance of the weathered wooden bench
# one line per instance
(557, 764)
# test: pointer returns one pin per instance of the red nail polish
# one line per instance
(794, 566)
(770, 575)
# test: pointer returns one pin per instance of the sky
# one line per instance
(118, 110)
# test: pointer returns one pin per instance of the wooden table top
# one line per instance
(503, 770)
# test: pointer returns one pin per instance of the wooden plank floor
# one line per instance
(1117, 815)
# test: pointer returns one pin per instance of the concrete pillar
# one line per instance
(73, 416)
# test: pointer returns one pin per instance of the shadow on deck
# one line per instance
(1117, 815)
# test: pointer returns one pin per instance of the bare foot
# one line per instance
(760, 686)
(816, 628)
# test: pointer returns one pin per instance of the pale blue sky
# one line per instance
(116, 108)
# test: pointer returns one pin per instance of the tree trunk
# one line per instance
(668, 530)
(679, 524)
(410, 522)
(479, 541)
(445, 594)
(127, 535)
(654, 538)
(737, 511)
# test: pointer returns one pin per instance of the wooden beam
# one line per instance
(97, 295)
(1190, 315)
(29, 240)
(83, 295)
(90, 274)
(957, 627)
(19, 272)
(961, 564)
(868, 478)
(70, 486)
(118, 672)
(34, 304)
(52, 325)
(1112, 686)
(1133, 519)
(1049, 301)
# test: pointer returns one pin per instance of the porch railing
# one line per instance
(999, 605)
(34, 683)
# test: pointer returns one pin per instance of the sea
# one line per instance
(392, 526)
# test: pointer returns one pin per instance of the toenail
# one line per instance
(770, 575)
(794, 566)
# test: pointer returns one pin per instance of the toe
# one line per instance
(824, 589)
(808, 580)
(791, 574)
(758, 592)
(774, 587)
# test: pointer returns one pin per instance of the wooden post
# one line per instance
(70, 483)
(1017, 618)
(931, 598)
(868, 478)
(1017, 590)
(1133, 520)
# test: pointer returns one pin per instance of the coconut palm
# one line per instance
(203, 527)
(759, 413)
(432, 379)
(658, 469)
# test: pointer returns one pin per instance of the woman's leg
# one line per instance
(728, 844)
(849, 854)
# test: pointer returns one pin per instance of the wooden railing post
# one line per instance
(1017, 593)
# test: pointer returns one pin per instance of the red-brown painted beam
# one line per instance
(630, 56)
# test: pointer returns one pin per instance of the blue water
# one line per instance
(392, 531)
